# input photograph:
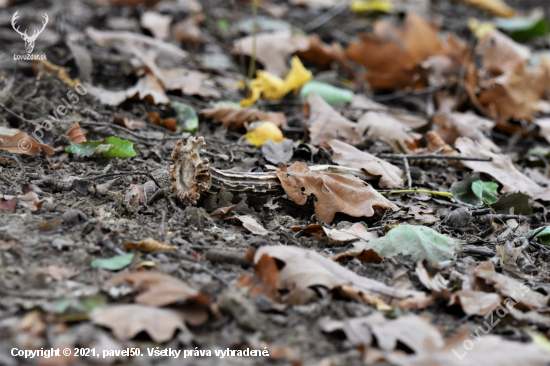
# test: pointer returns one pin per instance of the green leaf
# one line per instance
(114, 263)
(516, 200)
(462, 191)
(523, 29)
(111, 147)
(420, 242)
(331, 94)
(543, 236)
(485, 191)
(186, 116)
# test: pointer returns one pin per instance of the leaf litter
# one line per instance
(407, 196)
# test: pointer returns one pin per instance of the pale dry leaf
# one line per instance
(502, 169)
(475, 302)
(500, 53)
(306, 268)
(127, 321)
(22, 143)
(393, 57)
(149, 90)
(7, 132)
(148, 245)
(544, 125)
(411, 330)
(137, 44)
(251, 224)
(356, 232)
(189, 82)
(347, 155)
(188, 29)
(272, 49)
(157, 24)
(488, 350)
(380, 126)
(158, 289)
(57, 273)
(333, 192)
(135, 195)
(28, 200)
(235, 118)
(325, 123)
(451, 126)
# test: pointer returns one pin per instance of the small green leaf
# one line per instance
(420, 242)
(462, 191)
(522, 29)
(114, 263)
(111, 147)
(516, 200)
(485, 191)
(186, 116)
(331, 94)
(543, 236)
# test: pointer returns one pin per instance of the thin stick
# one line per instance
(15, 114)
(479, 252)
(434, 156)
(437, 193)
(124, 173)
(535, 233)
(407, 172)
(323, 18)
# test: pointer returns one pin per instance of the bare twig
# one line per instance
(323, 18)
(434, 156)
(407, 172)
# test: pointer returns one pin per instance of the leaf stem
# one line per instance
(437, 193)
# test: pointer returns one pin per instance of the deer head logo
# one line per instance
(29, 41)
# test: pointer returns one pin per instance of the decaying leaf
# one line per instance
(126, 321)
(411, 330)
(8, 204)
(251, 224)
(304, 268)
(22, 143)
(333, 192)
(188, 29)
(148, 245)
(57, 273)
(420, 242)
(394, 57)
(147, 89)
(278, 152)
(158, 289)
(356, 232)
(347, 155)
(135, 195)
(502, 169)
(380, 126)
(451, 126)
(75, 134)
(325, 123)
(237, 117)
(189, 82)
(157, 24)
(324, 55)
(272, 49)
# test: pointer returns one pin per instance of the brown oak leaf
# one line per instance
(237, 117)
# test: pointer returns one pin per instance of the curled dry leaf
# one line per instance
(324, 55)
(411, 330)
(237, 117)
(272, 49)
(251, 224)
(147, 89)
(325, 123)
(394, 57)
(157, 24)
(148, 245)
(158, 289)
(75, 133)
(304, 268)
(126, 321)
(189, 82)
(502, 169)
(500, 53)
(333, 192)
(347, 155)
(22, 143)
(435, 143)
(451, 126)
(380, 126)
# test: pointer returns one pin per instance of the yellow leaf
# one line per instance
(539, 339)
(272, 87)
(480, 28)
(148, 245)
(147, 264)
(495, 7)
(263, 132)
(384, 6)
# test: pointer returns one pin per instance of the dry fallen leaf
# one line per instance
(451, 126)
(502, 169)
(189, 82)
(22, 143)
(305, 268)
(237, 117)
(394, 56)
(325, 123)
(58, 273)
(158, 289)
(495, 7)
(251, 224)
(127, 321)
(135, 195)
(188, 29)
(157, 24)
(148, 245)
(499, 53)
(324, 55)
(149, 90)
(333, 192)
(411, 330)
(75, 134)
(380, 126)
(128, 123)
(347, 155)
(272, 49)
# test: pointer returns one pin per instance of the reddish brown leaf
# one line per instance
(237, 117)
(22, 143)
(75, 134)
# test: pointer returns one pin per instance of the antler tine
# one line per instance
(13, 21)
(37, 32)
